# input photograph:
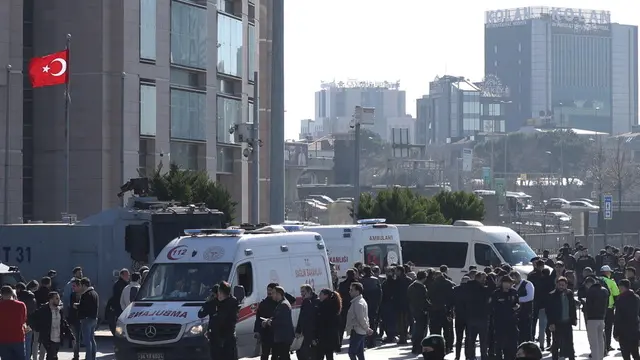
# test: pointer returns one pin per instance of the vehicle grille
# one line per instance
(153, 332)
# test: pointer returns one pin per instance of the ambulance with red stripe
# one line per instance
(370, 241)
(162, 323)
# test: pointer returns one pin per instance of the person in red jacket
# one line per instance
(13, 317)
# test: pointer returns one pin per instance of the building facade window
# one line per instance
(229, 45)
(148, 109)
(188, 113)
(184, 154)
(148, 29)
(229, 114)
(251, 68)
(225, 159)
(188, 35)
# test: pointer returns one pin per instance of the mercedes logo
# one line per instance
(150, 331)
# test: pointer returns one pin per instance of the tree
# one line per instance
(597, 171)
(400, 206)
(623, 175)
(192, 187)
(460, 205)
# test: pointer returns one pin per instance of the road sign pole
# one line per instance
(608, 214)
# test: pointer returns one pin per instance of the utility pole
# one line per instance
(277, 175)
(255, 155)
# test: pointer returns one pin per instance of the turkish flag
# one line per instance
(49, 70)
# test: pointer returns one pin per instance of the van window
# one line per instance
(435, 253)
(382, 255)
(244, 277)
(485, 256)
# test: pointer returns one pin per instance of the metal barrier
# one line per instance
(593, 242)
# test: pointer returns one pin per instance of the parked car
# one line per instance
(558, 216)
(580, 205)
(556, 203)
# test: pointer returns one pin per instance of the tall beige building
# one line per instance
(188, 77)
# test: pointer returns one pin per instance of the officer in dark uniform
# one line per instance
(441, 296)
(504, 308)
(222, 325)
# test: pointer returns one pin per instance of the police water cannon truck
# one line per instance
(102, 244)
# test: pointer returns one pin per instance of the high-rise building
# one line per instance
(456, 108)
(571, 67)
(336, 101)
(188, 70)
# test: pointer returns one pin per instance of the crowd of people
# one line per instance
(38, 318)
(494, 310)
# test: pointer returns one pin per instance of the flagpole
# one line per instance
(67, 128)
(122, 122)
(6, 146)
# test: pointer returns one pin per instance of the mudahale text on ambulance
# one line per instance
(163, 322)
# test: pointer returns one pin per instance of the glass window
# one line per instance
(148, 29)
(229, 45)
(435, 253)
(229, 114)
(188, 78)
(515, 253)
(485, 256)
(244, 277)
(184, 154)
(188, 112)
(225, 159)
(148, 110)
(188, 35)
(182, 281)
(252, 52)
(382, 255)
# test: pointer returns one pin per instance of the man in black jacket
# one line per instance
(29, 300)
(306, 326)
(222, 330)
(265, 311)
(343, 290)
(418, 297)
(387, 308)
(402, 283)
(88, 316)
(372, 294)
(49, 322)
(584, 260)
(460, 312)
(476, 308)
(561, 311)
(626, 321)
(441, 298)
(113, 304)
(595, 308)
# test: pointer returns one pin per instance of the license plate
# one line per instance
(150, 356)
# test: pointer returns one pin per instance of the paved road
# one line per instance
(105, 350)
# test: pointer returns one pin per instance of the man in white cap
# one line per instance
(609, 317)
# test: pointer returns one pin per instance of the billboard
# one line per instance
(296, 154)
(576, 19)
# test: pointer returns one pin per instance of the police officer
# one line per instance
(504, 308)
(476, 299)
(222, 329)
(418, 305)
(459, 296)
(441, 305)
(526, 292)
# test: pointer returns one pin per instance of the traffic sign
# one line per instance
(608, 207)
(500, 190)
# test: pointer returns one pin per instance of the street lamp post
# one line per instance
(562, 151)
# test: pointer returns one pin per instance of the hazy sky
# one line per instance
(408, 40)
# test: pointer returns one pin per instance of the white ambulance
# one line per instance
(463, 244)
(162, 323)
(370, 241)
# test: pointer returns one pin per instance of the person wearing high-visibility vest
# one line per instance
(613, 294)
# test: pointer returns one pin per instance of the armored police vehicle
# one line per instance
(122, 237)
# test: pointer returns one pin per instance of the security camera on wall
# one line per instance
(242, 132)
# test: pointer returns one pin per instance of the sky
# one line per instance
(387, 40)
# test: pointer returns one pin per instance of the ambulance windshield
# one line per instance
(182, 281)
